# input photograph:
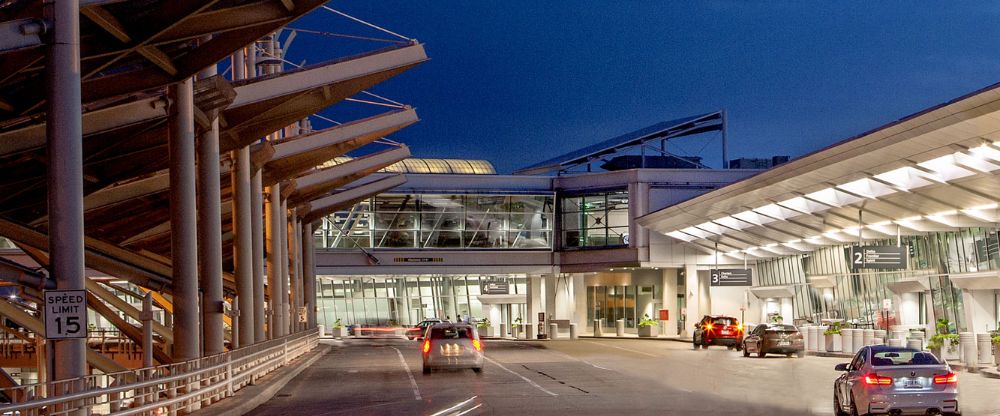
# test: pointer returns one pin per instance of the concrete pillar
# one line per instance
(296, 272)
(909, 308)
(210, 235)
(692, 309)
(243, 244)
(535, 295)
(669, 300)
(285, 309)
(638, 206)
(549, 299)
(704, 296)
(564, 297)
(183, 228)
(272, 215)
(64, 129)
(580, 301)
(787, 310)
(309, 275)
(257, 252)
(293, 266)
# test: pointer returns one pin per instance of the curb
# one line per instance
(252, 396)
(990, 372)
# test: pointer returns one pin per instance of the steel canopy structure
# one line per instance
(168, 173)
(931, 171)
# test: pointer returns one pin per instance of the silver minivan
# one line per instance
(452, 346)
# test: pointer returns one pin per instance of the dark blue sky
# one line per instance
(517, 82)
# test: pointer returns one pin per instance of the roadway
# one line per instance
(588, 376)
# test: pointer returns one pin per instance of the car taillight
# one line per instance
(739, 327)
(708, 327)
(873, 379)
(950, 378)
(477, 345)
(427, 346)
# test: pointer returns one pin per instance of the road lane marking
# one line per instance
(471, 409)
(624, 349)
(413, 382)
(456, 407)
(578, 359)
(522, 377)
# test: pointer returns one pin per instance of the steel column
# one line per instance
(183, 228)
(309, 273)
(243, 244)
(300, 255)
(283, 234)
(293, 272)
(65, 173)
(210, 235)
(272, 213)
(257, 235)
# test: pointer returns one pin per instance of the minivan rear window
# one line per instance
(451, 333)
(724, 321)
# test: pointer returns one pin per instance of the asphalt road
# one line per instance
(383, 376)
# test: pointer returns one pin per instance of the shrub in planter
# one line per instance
(777, 319)
(833, 339)
(337, 329)
(485, 327)
(516, 328)
(647, 327)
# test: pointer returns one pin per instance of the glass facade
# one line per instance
(437, 221)
(627, 302)
(858, 297)
(595, 220)
(404, 300)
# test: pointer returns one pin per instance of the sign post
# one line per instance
(731, 277)
(65, 314)
(878, 257)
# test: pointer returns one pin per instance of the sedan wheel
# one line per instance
(704, 346)
(854, 407)
(837, 410)
(760, 352)
(745, 352)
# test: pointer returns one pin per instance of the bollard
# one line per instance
(572, 331)
(915, 343)
(598, 328)
(859, 339)
(847, 340)
(879, 337)
(553, 331)
(967, 341)
(503, 330)
(529, 331)
(983, 344)
(804, 330)
(620, 328)
(867, 337)
(322, 330)
(895, 342)
(813, 340)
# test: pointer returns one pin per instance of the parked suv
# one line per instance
(718, 330)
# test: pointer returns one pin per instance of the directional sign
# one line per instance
(878, 257)
(65, 314)
(731, 277)
(496, 287)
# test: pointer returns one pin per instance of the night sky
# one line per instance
(517, 82)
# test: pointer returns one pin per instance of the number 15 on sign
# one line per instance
(65, 314)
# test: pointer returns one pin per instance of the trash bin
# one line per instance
(620, 328)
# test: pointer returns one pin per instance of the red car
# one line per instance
(718, 330)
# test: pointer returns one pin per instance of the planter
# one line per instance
(648, 331)
(833, 343)
(950, 350)
(996, 354)
(339, 332)
(487, 332)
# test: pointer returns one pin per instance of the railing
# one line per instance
(166, 389)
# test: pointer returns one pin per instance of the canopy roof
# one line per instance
(668, 129)
(931, 171)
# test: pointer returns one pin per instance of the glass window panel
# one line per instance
(440, 239)
(395, 238)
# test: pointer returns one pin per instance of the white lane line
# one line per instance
(413, 382)
(522, 377)
(456, 407)
(471, 409)
(578, 359)
(624, 349)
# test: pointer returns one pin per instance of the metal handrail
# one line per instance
(201, 381)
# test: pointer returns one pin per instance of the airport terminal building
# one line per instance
(895, 226)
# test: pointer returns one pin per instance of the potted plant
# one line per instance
(485, 327)
(338, 330)
(515, 328)
(944, 339)
(996, 348)
(647, 327)
(777, 319)
(833, 339)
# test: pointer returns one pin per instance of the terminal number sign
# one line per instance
(878, 257)
(65, 314)
(731, 277)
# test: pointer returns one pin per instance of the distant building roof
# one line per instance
(438, 166)
(674, 128)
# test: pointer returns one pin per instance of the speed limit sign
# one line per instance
(65, 314)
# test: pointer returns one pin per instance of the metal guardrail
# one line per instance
(166, 389)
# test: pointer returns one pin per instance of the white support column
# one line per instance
(300, 255)
(183, 229)
(704, 296)
(309, 274)
(257, 251)
(534, 295)
(563, 295)
(285, 309)
(272, 214)
(669, 300)
(549, 300)
(65, 173)
(580, 303)
(243, 244)
(210, 235)
(691, 296)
